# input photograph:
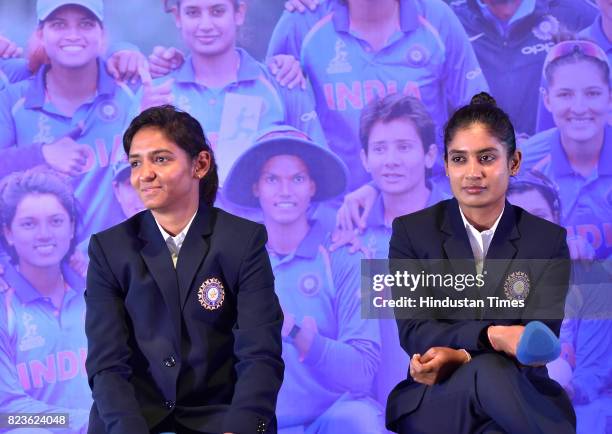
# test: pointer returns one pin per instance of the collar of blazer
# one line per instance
(459, 252)
(157, 257)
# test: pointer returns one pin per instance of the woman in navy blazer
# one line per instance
(182, 322)
(464, 376)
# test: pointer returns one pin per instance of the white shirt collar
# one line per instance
(469, 226)
(175, 243)
(480, 241)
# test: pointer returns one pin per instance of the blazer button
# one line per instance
(169, 405)
(169, 362)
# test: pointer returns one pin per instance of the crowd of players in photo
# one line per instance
(361, 89)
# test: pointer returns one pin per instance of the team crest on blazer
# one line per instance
(517, 286)
(211, 294)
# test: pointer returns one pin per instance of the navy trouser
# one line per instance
(491, 395)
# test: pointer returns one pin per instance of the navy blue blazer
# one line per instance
(155, 351)
(438, 232)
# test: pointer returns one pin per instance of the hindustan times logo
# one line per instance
(412, 281)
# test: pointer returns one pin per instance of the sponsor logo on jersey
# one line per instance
(537, 48)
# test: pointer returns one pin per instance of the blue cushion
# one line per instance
(538, 345)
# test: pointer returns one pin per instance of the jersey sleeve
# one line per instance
(12, 71)
(14, 158)
(8, 134)
(287, 35)
(462, 76)
(358, 342)
(300, 112)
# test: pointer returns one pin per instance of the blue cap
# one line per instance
(119, 168)
(44, 8)
(327, 170)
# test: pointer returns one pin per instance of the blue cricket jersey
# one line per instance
(512, 55)
(588, 328)
(29, 120)
(43, 351)
(231, 116)
(12, 71)
(586, 203)
(377, 234)
(429, 57)
(596, 34)
(345, 354)
(375, 239)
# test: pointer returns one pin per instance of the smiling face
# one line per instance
(396, 158)
(284, 189)
(579, 100)
(208, 27)
(478, 168)
(164, 175)
(41, 231)
(71, 36)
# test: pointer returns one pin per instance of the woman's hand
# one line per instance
(356, 208)
(436, 365)
(351, 238)
(154, 95)
(8, 49)
(66, 156)
(303, 340)
(124, 65)
(164, 60)
(505, 338)
(79, 262)
(287, 71)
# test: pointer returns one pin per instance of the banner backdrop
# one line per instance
(380, 79)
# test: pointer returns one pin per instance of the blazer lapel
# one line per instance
(194, 250)
(456, 243)
(502, 249)
(157, 258)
